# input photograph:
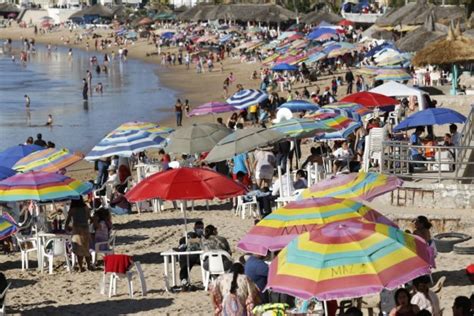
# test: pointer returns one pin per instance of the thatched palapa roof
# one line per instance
(243, 12)
(415, 13)
(419, 38)
(96, 10)
(317, 17)
(452, 49)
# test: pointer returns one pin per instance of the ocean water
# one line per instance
(131, 92)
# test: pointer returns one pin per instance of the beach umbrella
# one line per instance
(341, 134)
(350, 107)
(392, 74)
(185, 184)
(212, 108)
(318, 32)
(299, 106)
(125, 144)
(41, 186)
(277, 229)
(167, 35)
(348, 259)
(8, 226)
(242, 141)
(196, 139)
(6, 172)
(245, 98)
(339, 111)
(431, 116)
(225, 38)
(370, 99)
(360, 186)
(345, 23)
(47, 160)
(332, 119)
(11, 155)
(143, 126)
(284, 67)
(301, 128)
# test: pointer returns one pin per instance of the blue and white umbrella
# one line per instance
(299, 106)
(341, 134)
(225, 38)
(125, 144)
(245, 98)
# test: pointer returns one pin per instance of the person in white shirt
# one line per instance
(343, 155)
(424, 297)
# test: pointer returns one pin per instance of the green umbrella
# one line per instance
(242, 141)
(196, 139)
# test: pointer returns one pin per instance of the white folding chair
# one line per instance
(128, 276)
(104, 248)
(55, 247)
(243, 208)
(215, 264)
(3, 300)
(26, 246)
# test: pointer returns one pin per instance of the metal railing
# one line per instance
(442, 165)
(466, 140)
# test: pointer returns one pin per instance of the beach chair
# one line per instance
(127, 276)
(26, 246)
(246, 207)
(55, 247)
(373, 148)
(215, 264)
(104, 248)
(3, 300)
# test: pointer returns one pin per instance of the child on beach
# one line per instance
(49, 122)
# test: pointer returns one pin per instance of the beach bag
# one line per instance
(231, 306)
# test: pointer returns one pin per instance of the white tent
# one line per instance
(395, 89)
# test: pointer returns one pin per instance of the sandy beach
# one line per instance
(145, 235)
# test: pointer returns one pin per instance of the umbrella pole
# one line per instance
(325, 305)
(454, 80)
(183, 210)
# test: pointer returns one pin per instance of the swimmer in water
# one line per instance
(49, 122)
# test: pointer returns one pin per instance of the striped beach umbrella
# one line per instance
(47, 160)
(340, 111)
(6, 172)
(350, 107)
(360, 186)
(341, 134)
(41, 186)
(392, 74)
(125, 144)
(212, 108)
(245, 98)
(301, 128)
(348, 259)
(11, 155)
(299, 106)
(276, 230)
(8, 226)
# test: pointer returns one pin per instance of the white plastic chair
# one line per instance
(128, 276)
(104, 248)
(58, 249)
(243, 208)
(374, 147)
(215, 264)
(25, 250)
(3, 300)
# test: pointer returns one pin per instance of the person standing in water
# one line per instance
(28, 112)
(49, 122)
(89, 80)
(85, 89)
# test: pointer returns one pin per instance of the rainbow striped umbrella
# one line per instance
(212, 108)
(276, 230)
(8, 226)
(348, 259)
(361, 186)
(47, 160)
(392, 74)
(350, 107)
(301, 128)
(41, 186)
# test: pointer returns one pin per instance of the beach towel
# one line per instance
(117, 263)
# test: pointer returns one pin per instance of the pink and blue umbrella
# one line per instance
(212, 108)
(6, 172)
(11, 155)
(8, 226)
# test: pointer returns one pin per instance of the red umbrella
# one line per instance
(185, 184)
(370, 99)
(345, 23)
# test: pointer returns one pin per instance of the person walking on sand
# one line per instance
(178, 109)
(85, 89)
